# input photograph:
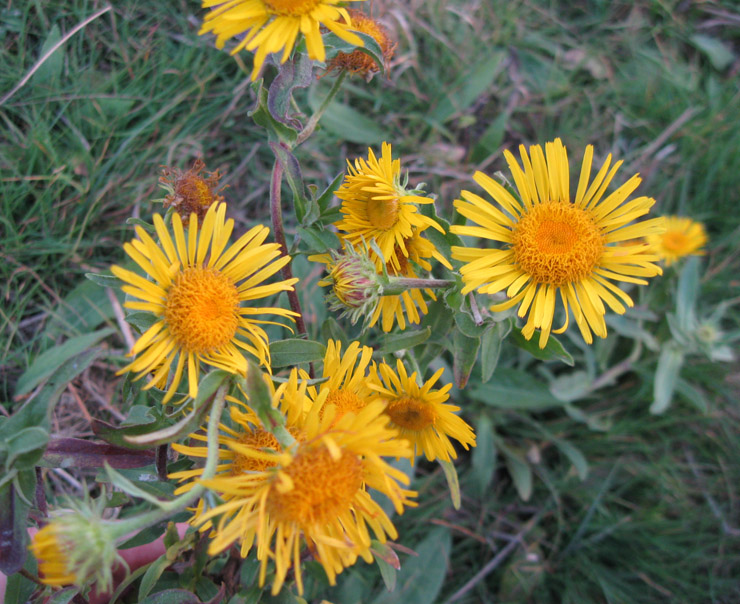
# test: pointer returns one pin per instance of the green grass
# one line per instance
(82, 141)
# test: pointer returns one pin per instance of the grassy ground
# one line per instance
(655, 83)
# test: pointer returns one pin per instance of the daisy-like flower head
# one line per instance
(271, 26)
(411, 304)
(191, 191)
(552, 245)
(317, 494)
(682, 237)
(358, 62)
(376, 206)
(200, 294)
(420, 413)
(244, 439)
(347, 385)
(76, 547)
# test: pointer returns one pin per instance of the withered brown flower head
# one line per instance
(358, 62)
(194, 190)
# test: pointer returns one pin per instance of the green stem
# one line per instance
(314, 119)
(124, 528)
(398, 285)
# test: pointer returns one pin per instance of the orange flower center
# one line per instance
(345, 402)
(323, 487)
(557, 243)
(291, 8)
(676, 242)
(202, 310)
(259, 439)
(383, 213)
(410, 413)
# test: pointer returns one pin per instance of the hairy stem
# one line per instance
(314, 119)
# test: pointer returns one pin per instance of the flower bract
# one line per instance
(551, 245)
(201, 294)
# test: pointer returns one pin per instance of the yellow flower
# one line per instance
(271, 26)
(395, 308)
(199, 295)
(377, 206)
(317, 493)
(419, 413)
(359, 62)
(553, 245)
(682, 237)
(191, 191)
(76, 547)
(347, 382)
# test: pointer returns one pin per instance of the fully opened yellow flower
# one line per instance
(376, 206)
(420, 413)
(552, 245)
(316, 493)
(200, 294)
(270, 26)
(682, 237)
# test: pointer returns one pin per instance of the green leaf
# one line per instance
(13, 514)
(152, 575)
(141, 320)
(104, 280)
(19, 589)
(570, 387)
(686, 295)
(692, 395)
(141, 420)
(552, 351)
(718, 53)
(63, 596)
(491, 341)
(318, 240)
(464, 354)
(54, 358)
(421, 577)
(206, 391)
(574, 455)
(519, 470)
(515, 389)
(328, 194)
(471, 83)
(119, 480)
(350, 125)
(483, 459)
(491, 139)
(294, 351)
(670, 362)
(37, 410)
(82, 310)
(172, 596)
(405, 340)
(50, 70)
(25, 448)
(262, 117)
(294, 73)
(387, 561)
(453, 482)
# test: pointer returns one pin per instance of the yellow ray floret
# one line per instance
(553, 246)
(376, 206)
(420, 413)
(682, 237)
(201, 296)
(272, 26)
(315, 494)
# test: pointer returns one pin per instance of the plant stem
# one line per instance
(123, 528)
(276, 212)
(314, 119)
(398, 285)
